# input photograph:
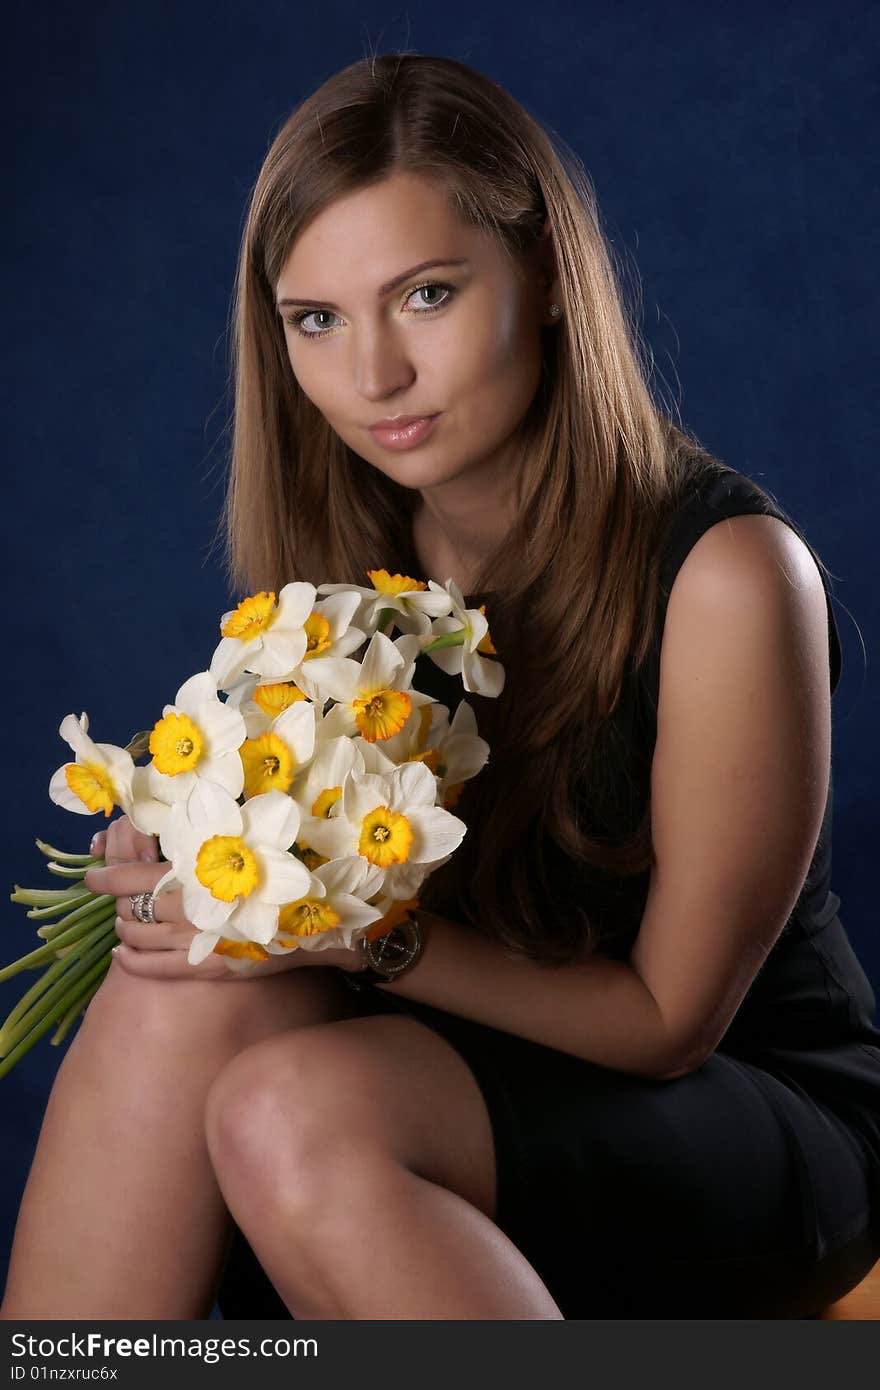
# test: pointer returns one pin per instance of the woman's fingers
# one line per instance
(154, 936)
(125, 844)
(171, 965)
(125, 879)
(170, 928)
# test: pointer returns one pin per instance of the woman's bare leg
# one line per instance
(121, 1216)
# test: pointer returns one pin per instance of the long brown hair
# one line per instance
(574, 589)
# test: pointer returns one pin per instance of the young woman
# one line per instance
(633, 1068)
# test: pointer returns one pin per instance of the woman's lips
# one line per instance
(404, 436)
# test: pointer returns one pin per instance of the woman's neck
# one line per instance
(440, 558)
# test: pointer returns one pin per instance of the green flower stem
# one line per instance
(66, 990)
(72, 871)
(79, 930)
(48, 977)
(56, 898)
(64, 858)
(75, 999)
(47, 952)
(78, 1008)
(447, 639)
(97, 908)
(386, 617)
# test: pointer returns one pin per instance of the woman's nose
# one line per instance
(381, 365)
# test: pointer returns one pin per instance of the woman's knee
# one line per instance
(283, 1107)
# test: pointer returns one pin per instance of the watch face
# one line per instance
(395, 949)
(392, 946)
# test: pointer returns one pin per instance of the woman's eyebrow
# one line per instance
(383, 289)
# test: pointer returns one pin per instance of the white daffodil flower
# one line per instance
(232, 863)
(100, 777)
(392, 822)
(329, 632)
(413, 603)
(454, 752)
(263, 636)
(374, 697)
(479, 676)
(459, 751)
(197, 737)
(282, 710)
(259, 701)
(317, 790)
(424, 726)
(335, 912)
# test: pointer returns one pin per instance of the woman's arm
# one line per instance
(598, 1009)
(739, 782)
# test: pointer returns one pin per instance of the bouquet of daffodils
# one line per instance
(300, 796)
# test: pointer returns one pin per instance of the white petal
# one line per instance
(362, 792)
(332, 837)
(201, 946)
(226, 771)
(481, 675)
(382, 664)
(230, 658)
(376, 759)
(296, 726)
(295, 602)
(203, 910)
(212, 811)
(73, 733)
(435, 832)
(351, 876)
(283, 878)
(405, 880)
(255, 919)
(223, 728)
(448, 659)
(195, 692)
(281, 651)
(412, 784)
(270, 819)
(338, 676)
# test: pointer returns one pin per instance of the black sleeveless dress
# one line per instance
(749, 1187)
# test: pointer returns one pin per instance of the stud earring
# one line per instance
(554, 309)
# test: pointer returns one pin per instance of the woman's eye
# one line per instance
(298, 321)
(446, 290)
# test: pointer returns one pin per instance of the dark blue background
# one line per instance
(734, 159)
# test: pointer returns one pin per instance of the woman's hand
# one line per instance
(159, 948)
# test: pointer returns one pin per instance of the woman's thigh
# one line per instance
(723, 1193)
(239, 1011)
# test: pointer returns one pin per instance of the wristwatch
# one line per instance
(387, 956)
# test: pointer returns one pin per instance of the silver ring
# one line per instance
(142, 907)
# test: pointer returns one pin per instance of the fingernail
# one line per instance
(115, 949)
(94, 842)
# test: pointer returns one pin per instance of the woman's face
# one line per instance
(473, 360)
